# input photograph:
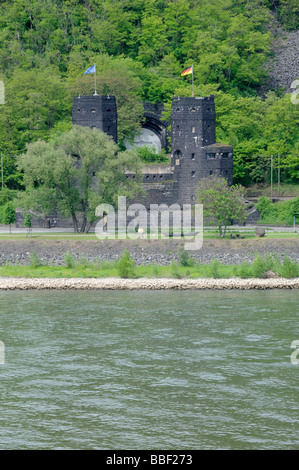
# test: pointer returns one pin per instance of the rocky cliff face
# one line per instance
(283, 67)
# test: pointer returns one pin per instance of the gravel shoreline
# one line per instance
(162, 252)
(148, 284)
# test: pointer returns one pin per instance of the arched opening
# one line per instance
(146, 138)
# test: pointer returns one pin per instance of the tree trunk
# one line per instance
(88, 227)
(75, 222)
(84, 222)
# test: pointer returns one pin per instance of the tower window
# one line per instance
(108, 128)
(178, 109)
(211, 172)
(211, 156)
(225, 155)
(193, 173)
(192, 156)
(193, 110)
(108, 110)
(193, 129)
(78, 110)
(177, 154)
(93, 110)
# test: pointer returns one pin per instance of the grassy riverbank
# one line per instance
(185, 267)
(211, 234)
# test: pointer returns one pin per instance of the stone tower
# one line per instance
(194, 153)
(96, 111)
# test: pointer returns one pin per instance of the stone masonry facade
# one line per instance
(194, 151)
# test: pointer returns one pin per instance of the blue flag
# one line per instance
(90, 70)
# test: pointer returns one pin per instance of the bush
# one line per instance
(244, 270)
(264, 206)
(175, 270)
(156, 269)
(258, 266)
(69, 260)
(34, 260)
(185, 259)
(148, 154)
(289, 268)
(278, 212)
(83, 262)
(126, 266)
(9, 214)
(214, 268)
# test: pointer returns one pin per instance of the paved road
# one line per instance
(52, 231)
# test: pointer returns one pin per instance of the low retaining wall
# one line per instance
(149, 284)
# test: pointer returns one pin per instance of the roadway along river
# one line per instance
(149, 370)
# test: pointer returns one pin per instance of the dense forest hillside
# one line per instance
(140, 48)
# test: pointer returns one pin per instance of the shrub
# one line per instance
(258, 266)
(244, 270)
(9, 214)
(185, 259)
(264, 206)
(148, 155)
(282, 212)
(175, 270)
(34, 260)
(69, 260)
(156, 269)
(28, 223)
(84, 263)
(289, 268)
(126, 266)
(214, 268)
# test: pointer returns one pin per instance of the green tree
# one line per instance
(126, 265)
(28, 223)
(76, 172)
(221, 203)
(9, 216)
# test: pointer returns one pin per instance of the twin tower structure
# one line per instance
(195, 154)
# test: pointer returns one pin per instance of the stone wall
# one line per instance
(98, 112)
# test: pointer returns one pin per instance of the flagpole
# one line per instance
(95, 80)
(192, 83)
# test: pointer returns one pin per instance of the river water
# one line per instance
(149, 370)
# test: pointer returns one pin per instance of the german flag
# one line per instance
(187, 71)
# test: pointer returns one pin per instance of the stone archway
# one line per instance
(154, 129)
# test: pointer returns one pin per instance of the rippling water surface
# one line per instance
(149, 370)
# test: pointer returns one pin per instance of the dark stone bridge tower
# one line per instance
(96, 111)
(194, 152)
